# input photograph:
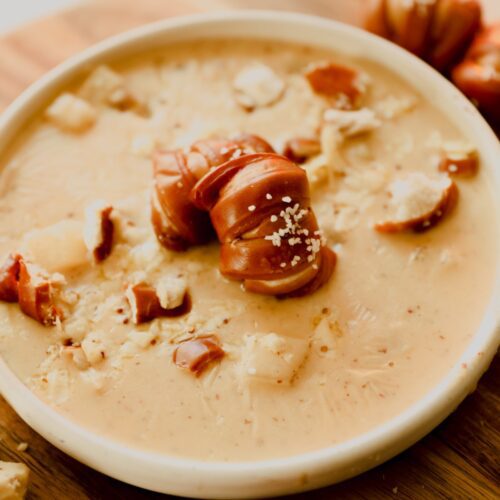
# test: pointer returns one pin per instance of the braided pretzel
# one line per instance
(259, 205)
(478, 75)
(276, 248)
(439, 31)
(178, 224)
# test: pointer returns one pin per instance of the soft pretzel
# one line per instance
(260, 208)
(478, 75)
(257, 202)
(178, 224)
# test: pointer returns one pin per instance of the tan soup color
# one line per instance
(395, 317)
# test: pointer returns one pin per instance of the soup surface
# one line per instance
(298, 374)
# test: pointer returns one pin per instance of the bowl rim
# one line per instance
(183, 476)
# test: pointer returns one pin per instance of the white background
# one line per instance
(16, 12)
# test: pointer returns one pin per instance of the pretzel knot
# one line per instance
(178, 224)
(478, 75)
(259, 206)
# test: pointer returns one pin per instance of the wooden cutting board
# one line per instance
(460, 459)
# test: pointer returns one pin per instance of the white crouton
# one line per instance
(100, 84)
(76, 356)
(393, 107)
(147, 254)
(106, 87)
(331, 142)
(143, 338)
(70, 113)
(98, 230)
(94, 378)
(273, 358)
(94, 348)
(257, 85)
(76, 327)
(56, 248)
(171, 291)
(350, 123)
(339, 125)
(129, 349)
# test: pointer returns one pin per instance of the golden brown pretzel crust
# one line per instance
(177, 222)
(257, 202)
(260, 208)
(478, 76)
(22, 283)
(438, 31)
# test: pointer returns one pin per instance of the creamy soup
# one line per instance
(297, 374)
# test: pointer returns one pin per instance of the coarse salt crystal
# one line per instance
(251, 208)
(269, 196)
(237, 153)
(286, 199)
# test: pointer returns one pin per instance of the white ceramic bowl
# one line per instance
(310, 470)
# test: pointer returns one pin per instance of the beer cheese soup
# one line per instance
(240, 250)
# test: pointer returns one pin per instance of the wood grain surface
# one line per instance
(459, 459)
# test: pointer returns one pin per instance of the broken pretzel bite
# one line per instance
(178, 224)
(459, 159)
(31, 287)
(300, 149)
(9, 279)
(342, 84)
(198, 353)
(99, 230)
(166, 300)
(37, 297)
(418, 202)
